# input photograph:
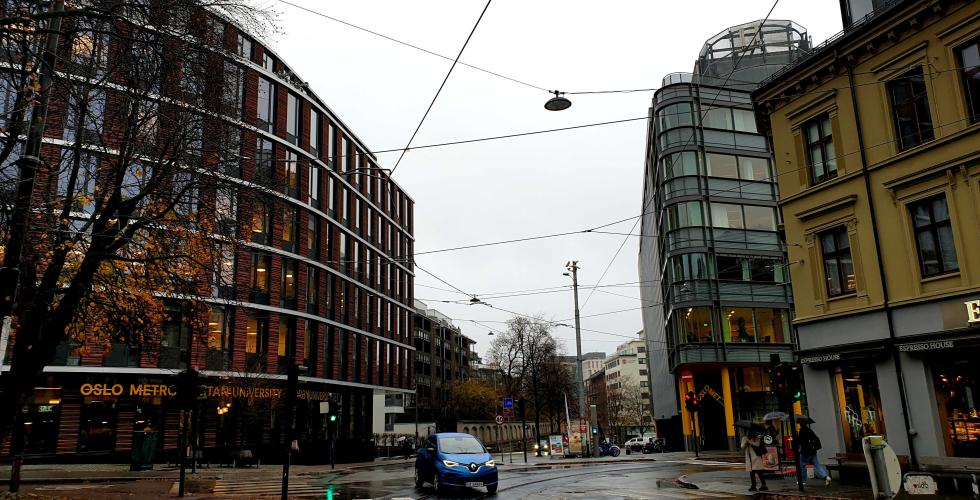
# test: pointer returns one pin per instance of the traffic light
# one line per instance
(333, 418)
(794, 382)
(691, 402)
(777, 379)
(190, 386)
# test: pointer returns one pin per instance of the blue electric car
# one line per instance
(455, 459)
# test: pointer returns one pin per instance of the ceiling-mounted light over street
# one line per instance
(557, 103)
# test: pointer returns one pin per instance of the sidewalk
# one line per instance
(737, 483)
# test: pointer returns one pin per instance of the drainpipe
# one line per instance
(910, 431)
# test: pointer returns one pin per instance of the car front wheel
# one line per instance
(418, 478)
(492, 489)
(437, 484)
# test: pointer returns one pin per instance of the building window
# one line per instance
(289, 276)
(315, 132)
(312, 236)
(291, 174)
(680, 164)
(256, 340)
(675, 115)
(245, 47)
(969, 56)
(910, 108)
(820, 153)
(693, 325)
(684, 214)
(838, 267)
(268, 62)
(264, 160)
(293, 119)
(259, 282)
(934, 236)
(957, 386)
(266, 105)
(261, 223)
(290, 227)
(312, 288)
(860, 404)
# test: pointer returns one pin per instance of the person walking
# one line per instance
(754, 464)
(809, 445)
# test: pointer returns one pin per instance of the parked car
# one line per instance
(654, 445)
(455, 459)
(645, 444)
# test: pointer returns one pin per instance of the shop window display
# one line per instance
(957, 388)
(40, 417)
(693, 325)
(859, 404)
(97, 430)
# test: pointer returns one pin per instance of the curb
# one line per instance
(683, 482)
(98, 479)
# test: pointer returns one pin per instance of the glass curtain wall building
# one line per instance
(712, 260)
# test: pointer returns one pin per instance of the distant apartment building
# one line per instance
(712, 260)
(591, 363)
(443, 355)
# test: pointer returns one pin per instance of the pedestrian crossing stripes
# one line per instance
(268, 488)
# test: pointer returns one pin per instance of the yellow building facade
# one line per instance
(876, 140)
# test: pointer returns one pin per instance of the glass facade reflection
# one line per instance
(711, 252)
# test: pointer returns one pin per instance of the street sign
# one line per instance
(509, 412)
(500, 420)
(508, 403)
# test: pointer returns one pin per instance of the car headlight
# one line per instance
(450, 463)
(490, 463)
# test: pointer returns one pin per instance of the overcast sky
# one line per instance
(519, 187)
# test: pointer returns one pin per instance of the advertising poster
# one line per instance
(575, 436)
(557, 445)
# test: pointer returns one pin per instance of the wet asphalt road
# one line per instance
(652, 480)
(642, 480)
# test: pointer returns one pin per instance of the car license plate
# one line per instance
(474, 484)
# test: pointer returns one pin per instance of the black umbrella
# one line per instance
(747, 424)
(801, 419)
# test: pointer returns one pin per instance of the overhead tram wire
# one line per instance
(441, 86)
(406, 44)
(700, 120)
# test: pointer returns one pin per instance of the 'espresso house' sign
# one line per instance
(213, 391)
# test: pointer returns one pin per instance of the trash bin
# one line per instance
(144, 448)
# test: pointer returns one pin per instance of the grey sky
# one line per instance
(513, 188)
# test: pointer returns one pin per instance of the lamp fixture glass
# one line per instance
(557, 103)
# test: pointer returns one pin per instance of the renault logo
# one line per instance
(474, 467)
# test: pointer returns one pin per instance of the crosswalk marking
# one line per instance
(268, 487)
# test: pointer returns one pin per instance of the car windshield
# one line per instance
(460, 444)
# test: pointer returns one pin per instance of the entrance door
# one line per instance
(712, 413)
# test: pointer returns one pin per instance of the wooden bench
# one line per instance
(950, 466)
(959, 473)
(852, 467)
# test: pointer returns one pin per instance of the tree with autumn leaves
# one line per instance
(133, 209)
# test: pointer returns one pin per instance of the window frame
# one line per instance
(836, 255)
(825, 138)
(968, 74)
(915, 104)
(932, 228)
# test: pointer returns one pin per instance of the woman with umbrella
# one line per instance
(754, 451)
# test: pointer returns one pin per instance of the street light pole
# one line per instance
(572, 266)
